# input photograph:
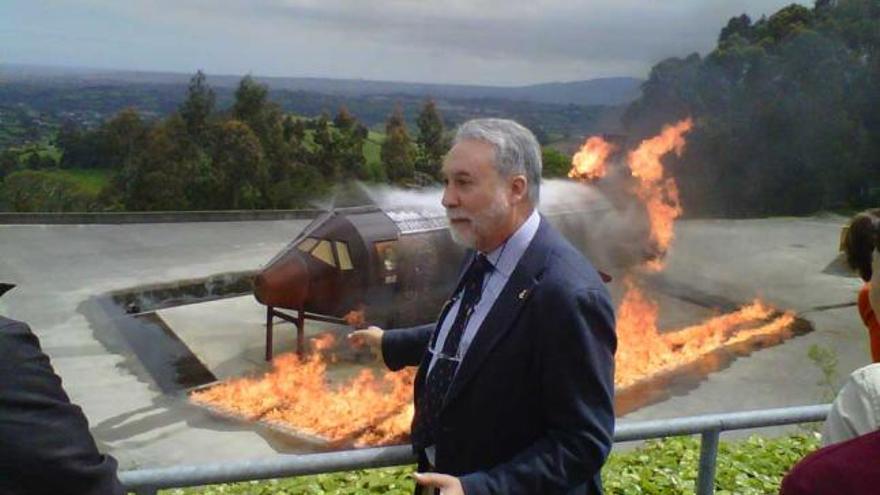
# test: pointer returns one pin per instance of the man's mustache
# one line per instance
(452, 216)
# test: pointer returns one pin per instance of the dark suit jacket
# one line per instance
(531, 407)
(45, 444)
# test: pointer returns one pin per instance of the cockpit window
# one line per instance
(307, 244)
(324, 252)
(344, 257)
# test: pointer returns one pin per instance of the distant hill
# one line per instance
(606, 91)
(35, 101)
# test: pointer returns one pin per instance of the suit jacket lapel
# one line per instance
(504, 311)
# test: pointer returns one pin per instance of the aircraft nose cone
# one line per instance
(284, 283)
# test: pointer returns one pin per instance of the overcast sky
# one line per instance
(498, 42)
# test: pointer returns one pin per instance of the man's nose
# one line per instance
(450, 199)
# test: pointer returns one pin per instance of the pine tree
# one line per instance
(344, 120)
(431, 140)
(239, 158)
(250, 101)
(397, 149)
(198, 108)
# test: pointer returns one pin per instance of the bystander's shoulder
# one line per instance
(849, 467)
(47, 447)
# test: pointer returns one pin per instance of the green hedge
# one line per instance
(662, 467)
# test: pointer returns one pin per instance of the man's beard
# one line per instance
(480, 223)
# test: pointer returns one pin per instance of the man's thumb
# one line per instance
(429, 479)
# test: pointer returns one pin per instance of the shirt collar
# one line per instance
(505, 257)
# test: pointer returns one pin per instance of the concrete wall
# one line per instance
(153, 217)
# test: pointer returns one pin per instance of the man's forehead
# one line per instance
(469, 157)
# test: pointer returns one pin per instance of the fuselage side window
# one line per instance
(324, 252)
(388, 260)
(344, 257)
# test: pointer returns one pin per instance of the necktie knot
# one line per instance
(480, 267)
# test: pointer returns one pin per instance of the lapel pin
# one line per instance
(523, 294)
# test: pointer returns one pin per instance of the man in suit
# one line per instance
(514, 392)
(45, 444)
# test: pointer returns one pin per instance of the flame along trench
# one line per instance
(376, 411)
(298, 398)
(329, 402)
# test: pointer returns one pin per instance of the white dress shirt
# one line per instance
(504, 260)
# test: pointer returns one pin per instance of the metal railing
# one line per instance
(149, 481)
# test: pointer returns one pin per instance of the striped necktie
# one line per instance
(441, 374)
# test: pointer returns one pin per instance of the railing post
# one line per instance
(708, 459)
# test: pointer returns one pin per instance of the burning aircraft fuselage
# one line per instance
(394, 267)
(388, 264)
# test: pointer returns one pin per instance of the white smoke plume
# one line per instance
(610, 228)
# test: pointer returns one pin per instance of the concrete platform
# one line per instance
(60, 270)
(227, 335)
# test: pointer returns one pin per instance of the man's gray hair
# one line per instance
(516, 149)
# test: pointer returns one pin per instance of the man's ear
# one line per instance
(519, 188)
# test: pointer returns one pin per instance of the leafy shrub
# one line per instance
(42, 191)
(660, 467)
(670, 466)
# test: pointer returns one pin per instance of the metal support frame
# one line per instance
(299, 321)
(270, 316)
(148, 481)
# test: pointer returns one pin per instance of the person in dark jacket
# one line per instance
(514, 392)
(45, 443)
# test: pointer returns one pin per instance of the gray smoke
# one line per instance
(609, 226)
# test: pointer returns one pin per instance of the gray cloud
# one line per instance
(536, 31)
(483, 41)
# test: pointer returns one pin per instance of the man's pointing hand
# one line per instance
(448, 485)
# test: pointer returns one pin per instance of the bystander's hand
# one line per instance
(370, 337)
(448, 485)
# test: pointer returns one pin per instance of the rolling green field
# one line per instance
(373, 147)
(91, 180)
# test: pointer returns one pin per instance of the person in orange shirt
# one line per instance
(861, 243)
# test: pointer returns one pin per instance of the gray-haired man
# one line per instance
(515, 388)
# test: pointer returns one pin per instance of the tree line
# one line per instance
(787, 113)
(251, 155)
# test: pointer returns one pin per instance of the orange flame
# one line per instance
(370, 411)
(297, 393)
(323, 341)
(589, 163)
(356, 318)
(659, 195)
(644, 351)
